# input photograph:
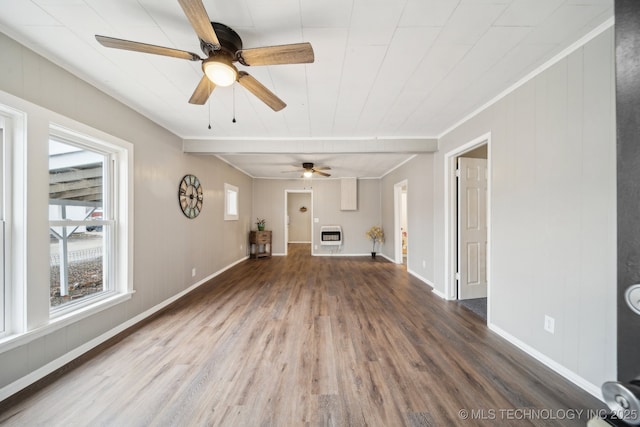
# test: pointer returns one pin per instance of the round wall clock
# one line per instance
(190, 196)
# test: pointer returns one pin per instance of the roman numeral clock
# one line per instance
(190, 196)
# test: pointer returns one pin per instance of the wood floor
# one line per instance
(301, 340)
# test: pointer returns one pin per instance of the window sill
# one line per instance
(16, 340)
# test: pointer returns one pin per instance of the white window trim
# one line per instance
(15, 126)
(229, 213)
(26, 325)
(119, 203)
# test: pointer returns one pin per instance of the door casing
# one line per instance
(397, 212)
(285, 225)
(451, 217)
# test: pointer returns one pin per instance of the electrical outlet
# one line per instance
(316, 247)
(549, 324)
(240, 247)
(193, 272)
(424, 263)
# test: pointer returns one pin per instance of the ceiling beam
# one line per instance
(70, 175)
(315, 146)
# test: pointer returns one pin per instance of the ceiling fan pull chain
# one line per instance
(234, 104)
(209, 102)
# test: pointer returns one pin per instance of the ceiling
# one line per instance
(384, 69)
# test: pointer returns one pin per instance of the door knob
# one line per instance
(632, 296)
(623, 399)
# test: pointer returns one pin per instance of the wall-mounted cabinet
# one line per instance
(349, 194)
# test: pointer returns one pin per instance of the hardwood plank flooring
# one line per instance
(304, 341)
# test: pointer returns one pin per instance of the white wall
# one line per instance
(268, 202)
(167, 245)
(553, 215)
(420, 222)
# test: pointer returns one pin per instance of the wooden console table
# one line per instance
(260, 244)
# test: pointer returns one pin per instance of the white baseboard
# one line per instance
(590, 388)
(50, 367)
(440, 294)
(416, 275)
(337, 254)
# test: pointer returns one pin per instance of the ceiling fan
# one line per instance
(308, 170)
(222, 47)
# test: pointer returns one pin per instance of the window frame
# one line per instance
(231, 203)
(116, 221)
(5, 168)
(12, 200)
(27, 264)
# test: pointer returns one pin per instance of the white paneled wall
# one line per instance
(553, 217)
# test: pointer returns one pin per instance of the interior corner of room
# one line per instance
(521, 211)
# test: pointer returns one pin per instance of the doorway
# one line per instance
(467, 224)
(401, 232)
(298, 215)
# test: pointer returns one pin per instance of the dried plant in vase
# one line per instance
(376, 235)
(260, 223)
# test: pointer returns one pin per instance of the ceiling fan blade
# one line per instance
(202, 92)
(259, 90)
(321, 173)
(298, 53)
(323, 168)
(146, 48)
(197, 16)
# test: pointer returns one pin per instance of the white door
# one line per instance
(472, 228)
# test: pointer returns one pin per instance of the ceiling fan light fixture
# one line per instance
(307, 174)
(220, 70)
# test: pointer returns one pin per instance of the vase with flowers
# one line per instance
(376, 235)
(260, 223)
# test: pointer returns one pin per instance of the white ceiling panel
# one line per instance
(481, 2)
(234, 13)
(383, 68)
(16, 14)
(607, 3)
(271, 19)
(469, 22)
(326, 14)
(289, 166)
(356, 84)
(430, 75)
(566, 21)
(427, 13)
(492, 46)
(528, 12)
(123, 12)
(396, 70)
(373, 22)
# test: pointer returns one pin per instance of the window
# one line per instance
(84, 221)
(3, 242)
(230, 202)
(12, 214)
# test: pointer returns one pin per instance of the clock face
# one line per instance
(190, 196)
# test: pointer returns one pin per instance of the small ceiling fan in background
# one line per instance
(308, 169)
(222, 47)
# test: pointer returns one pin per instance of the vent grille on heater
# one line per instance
(331, 235)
